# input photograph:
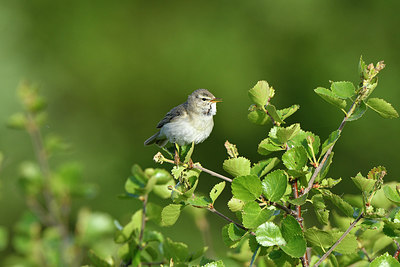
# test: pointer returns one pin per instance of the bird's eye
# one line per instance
(204, 99)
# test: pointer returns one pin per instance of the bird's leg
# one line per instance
(177, 160)
(190, 164)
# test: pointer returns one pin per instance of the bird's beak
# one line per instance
(216, 100)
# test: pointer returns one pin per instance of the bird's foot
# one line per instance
(190, 164)
(177, 160)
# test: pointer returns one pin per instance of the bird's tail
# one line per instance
(153, 140)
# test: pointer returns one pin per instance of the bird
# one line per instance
(190, 122)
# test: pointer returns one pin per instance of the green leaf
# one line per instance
(362, 68)
(291, 231)
(295, 158)
(343, 89)
(267, 146)
(216, 191)
(330, 97)
(219, 263)
(391, 194)
(333, 137)
(199, 202)
(286, 112)
(383, 108)
(258, 117)
(271, 109)
(136, 183)
(253, 215)
(391, 229)
(260, 93)
(364, 184)
(320, 209)
(330, 182)
(268, 234)
(348, 245)
(342, 205)
(246, 188)
(17, 121)
(97, 261)
(274, 185)
(162, 176)
(178, 251)
(189, 153)
(284, 134)
(264, 166)
(162, 190)
(358, 112)
(299, 201)
(235, 233)
(296, 246)
(237, 166)
(385, 260)
(225, 237)
(319, 238)
(231, 149)
(235, 204)
(170, 214)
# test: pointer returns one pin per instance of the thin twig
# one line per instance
(366, 254)
(339, 240)
(304, 259)
(212, 209)
(197, 166)
(328, 153)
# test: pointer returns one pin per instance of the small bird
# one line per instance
(190, 122)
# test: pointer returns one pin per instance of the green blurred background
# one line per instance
(111, 70)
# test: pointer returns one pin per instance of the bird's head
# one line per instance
(203, 102)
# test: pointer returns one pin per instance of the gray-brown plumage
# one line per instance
(189, 122)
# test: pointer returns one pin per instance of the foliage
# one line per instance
(269, 197)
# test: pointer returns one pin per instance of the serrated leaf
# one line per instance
(299, 201)
(284, 134)
(253, 215)
(330, 97)
(274, 185)
(385, 260)
(333, 137)
(320, 209)
(246, 188)
(383, 108)
(391, 194)
(358, 112)
(170, 214)
(260, 93)
(231, 149)
(200, 202)
(259, 117)
(237, 166)
(216, 191)
(266, 147)
(342, 205)
(348, 245)
(264, 166)
(364, 184)
(286, 112)
(330, 182)
(219, 263)
(235, 233)
(295, 243)
(319, 237)
(268, 234)
(178, 251)
(343, 89)
(271, 109)
(235, 204)
(295, 158)
(225, 237)
(391, 229)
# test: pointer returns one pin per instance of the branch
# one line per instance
(304, 259)
(339, 240)
(212, 209)
(158, 159)
(328, 153)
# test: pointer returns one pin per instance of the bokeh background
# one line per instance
(111, 70)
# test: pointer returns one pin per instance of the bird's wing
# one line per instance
(173, 113)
